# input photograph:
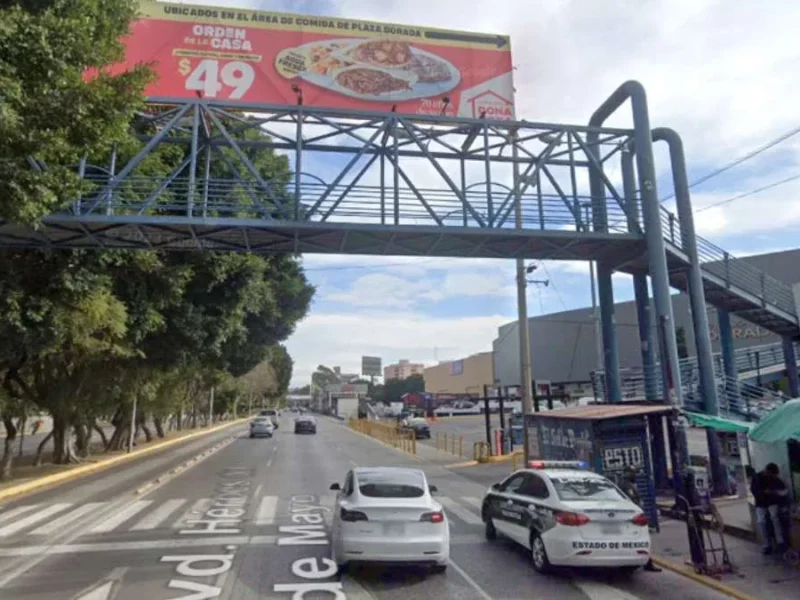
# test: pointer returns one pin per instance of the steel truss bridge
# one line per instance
(383, 183)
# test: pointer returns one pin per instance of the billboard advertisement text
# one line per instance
(256, 57)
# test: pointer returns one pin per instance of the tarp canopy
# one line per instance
(718, 423)
(780, 425)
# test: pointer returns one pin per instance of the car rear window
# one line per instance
(262, 421)
(586, 488)
(391, 485)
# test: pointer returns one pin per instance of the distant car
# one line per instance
(566, 515)
(420, 427)
(272, 414)
(387, 515)
(305, 425)
(261, 426)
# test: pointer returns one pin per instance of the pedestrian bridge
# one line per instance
(384, 184)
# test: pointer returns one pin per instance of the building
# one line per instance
(402, 370)
(564, 346)
(465, 376)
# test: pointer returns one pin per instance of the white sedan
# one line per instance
(567, 516)
(387, 515)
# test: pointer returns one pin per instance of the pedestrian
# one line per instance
(628, 485)
(770, 494)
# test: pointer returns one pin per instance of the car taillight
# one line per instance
(432, 517)
(571, 519)
(640, 520)
(352, 515)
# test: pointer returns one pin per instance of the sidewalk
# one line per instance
(755, 575)
(735, 513)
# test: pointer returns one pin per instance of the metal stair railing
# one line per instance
(734, 272)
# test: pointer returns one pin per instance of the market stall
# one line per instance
(776, 439)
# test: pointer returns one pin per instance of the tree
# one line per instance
(282, 365)
(46, 47)
(324, 376)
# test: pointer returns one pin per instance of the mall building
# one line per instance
(564, 346)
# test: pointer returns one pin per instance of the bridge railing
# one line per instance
(732, 271)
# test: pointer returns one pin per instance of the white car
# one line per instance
(567, 516)
(387, 515)
(261, 426)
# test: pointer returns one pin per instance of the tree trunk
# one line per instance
(102, 434)
(83, 437)
(159, 425)
(38, 460)
(8, 450)
(63, 447)
(23, 422)
(179, 420)
(148, 435)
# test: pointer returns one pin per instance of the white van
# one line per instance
(272, 414)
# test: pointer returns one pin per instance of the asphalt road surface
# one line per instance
(94, 539)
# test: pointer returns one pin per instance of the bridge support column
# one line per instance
(790, 358)
(728, 359)
(605, 289)
(697, 300)
(646, 342)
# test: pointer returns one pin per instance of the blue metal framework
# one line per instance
(389, 184)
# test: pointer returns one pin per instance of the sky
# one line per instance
(722, 73)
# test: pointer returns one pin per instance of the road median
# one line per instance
(13, 490)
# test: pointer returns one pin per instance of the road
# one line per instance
(474, 430)
(94, 540)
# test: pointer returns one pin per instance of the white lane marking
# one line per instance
(158, 516)
(17, 511)
(257, 493)
(462, 513)
(601, 591)
(353, 590)
(266, 510)
(54, 526)
(234, 540)
(328, 501)
(269, 463)
(481, 592)
(476, 502)
(195, 511)
(34, 518)
(119, 518)
(105, 589)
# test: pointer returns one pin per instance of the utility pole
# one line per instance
(522, 310)
(598, 337)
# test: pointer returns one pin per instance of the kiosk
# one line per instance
(610, 437)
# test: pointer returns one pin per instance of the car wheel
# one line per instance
(491, 532)
(539, 554)
(439, 568)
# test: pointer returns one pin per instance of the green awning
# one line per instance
(718, 423)
(780, 425)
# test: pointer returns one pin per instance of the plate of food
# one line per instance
(373, 69)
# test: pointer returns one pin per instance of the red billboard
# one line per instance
(257, 57)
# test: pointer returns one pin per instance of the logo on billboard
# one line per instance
(492, 105)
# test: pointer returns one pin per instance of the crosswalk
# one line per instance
(177, 513)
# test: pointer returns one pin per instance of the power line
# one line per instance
(778, 140)
(553, 283)
(750, 193)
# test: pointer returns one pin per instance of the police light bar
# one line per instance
(558, 464)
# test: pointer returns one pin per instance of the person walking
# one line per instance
(770, 494)
(628, 486)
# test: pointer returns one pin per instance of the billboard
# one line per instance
(250, 56)
(371, 366)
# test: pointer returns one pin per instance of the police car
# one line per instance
(567, 515)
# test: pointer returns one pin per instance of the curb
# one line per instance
(702, 579)
(462, 465)
(57, 478)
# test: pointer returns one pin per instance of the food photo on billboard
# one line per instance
(248, 57)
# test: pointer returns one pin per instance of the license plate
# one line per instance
(393, 529)
(610, 528)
